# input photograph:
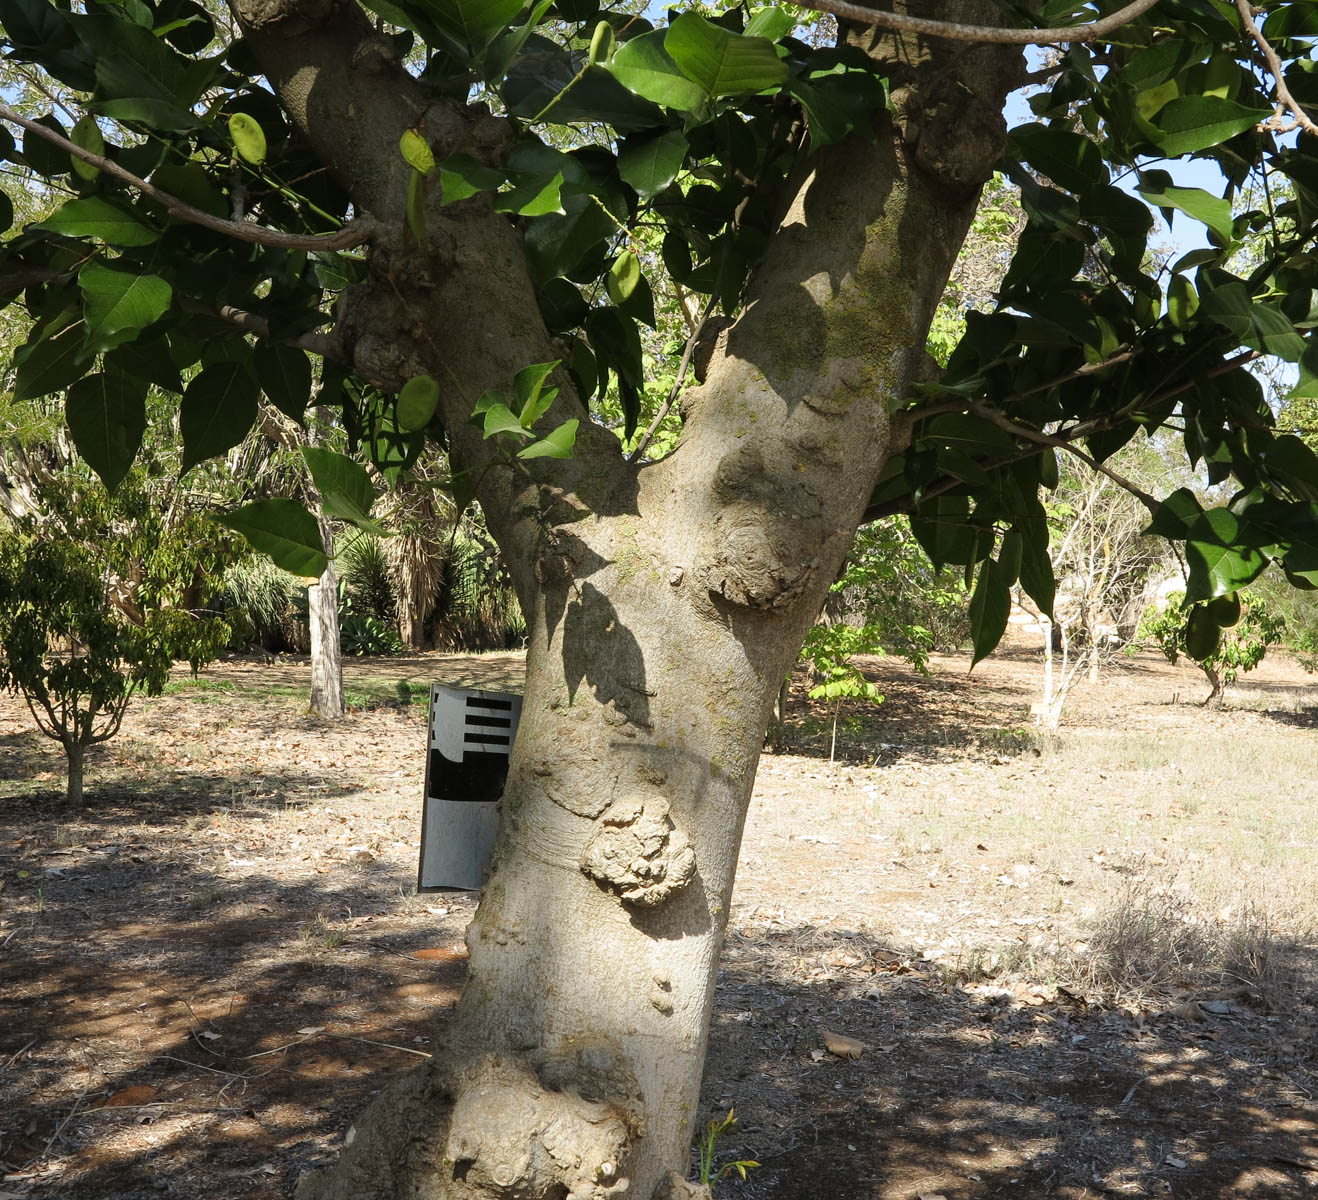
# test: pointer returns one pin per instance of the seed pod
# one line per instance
(601, 44)
(1225, 610)
(417, 402)
(1201, 634)
(248, 138)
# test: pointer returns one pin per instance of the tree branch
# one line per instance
(354, 233)
(324, 344)
(902, 23)
(1047, 439)
(1284, 98)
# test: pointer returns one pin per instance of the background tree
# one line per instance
(93, 609)
(489, 292)
(1229, 636)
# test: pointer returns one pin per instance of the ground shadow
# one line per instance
(996, 1091)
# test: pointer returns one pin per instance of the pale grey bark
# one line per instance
(664, 602)
(326, 655)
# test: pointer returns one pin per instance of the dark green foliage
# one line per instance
(693, 129)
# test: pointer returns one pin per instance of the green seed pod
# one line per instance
(86, 134)
(248, 138)
(1225, 610)
(417, 402)
(416, 150)
(1201, 634)
(1048, 468)
(601, 44)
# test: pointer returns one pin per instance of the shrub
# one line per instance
(77, 661)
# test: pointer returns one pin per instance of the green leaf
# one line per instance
(1228, 305)
(86, 135)
(285, 531)
(499, 418)
(117, 303)
(345, 488)
(1037, 576)
(528, 385)
(249, 138)
(990, 606)
(508, 45)
(556, 243)
(1175, 515)
(770, 22)
(461, 176)
(106, 414)
(417, 400)
(1192, 123)
(42, 155)
(284, 373)
(472, 20)
(219, 407)
(650, 164)
(617, 342)
(132, 62)
(644, 67)
(149, 361)
(532, 196)
(1274, 334)
(160, 115)
(1203, 206)
(1221, 554)
(51, 364)
(96, 217)
(723, 63)
(1070, 160)
(558, 444)
(416, 150)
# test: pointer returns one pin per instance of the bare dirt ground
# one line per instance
(207, 971)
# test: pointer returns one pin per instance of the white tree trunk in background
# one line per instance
(326, 656)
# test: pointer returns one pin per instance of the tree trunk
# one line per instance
(75, 752)
(1214, 698)
(665, 602)
(326, 654)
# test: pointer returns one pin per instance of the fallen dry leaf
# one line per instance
(843, 1046)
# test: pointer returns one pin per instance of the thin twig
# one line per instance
(187, 1062)
(354, 233)
(1133, 1087)
(1283, 93)
(17, 1054)
(54, 1137)
(676, 390)
(343, 1037)
(1091, 32)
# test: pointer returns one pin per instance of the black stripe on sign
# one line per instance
(501, 705)
(486, 739)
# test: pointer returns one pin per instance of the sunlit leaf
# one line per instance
(285, 531)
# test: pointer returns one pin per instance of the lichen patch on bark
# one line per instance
(638, 853)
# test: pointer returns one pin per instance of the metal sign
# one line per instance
(471, 735)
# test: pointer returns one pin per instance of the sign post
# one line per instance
(471, 735)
